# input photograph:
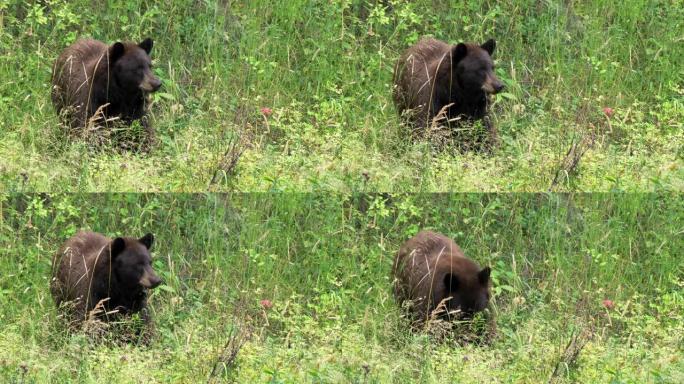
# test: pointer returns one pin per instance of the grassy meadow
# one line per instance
(323, 70)
(324, 260)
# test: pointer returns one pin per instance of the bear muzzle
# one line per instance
(150, 83)
(150, 280)
(492, 85)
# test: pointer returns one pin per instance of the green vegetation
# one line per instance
(324, 68)
(324, 261)
(295, 287)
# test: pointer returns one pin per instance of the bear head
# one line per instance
(473, 68)
(467, 292)
(132, 263)
(131, 66)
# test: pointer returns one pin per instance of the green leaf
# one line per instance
(507, 95)
(164, 95)
(167, 288)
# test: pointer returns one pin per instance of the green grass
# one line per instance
(324, 261)
(325, 68)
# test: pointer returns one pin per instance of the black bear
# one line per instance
(97, 277)
(95, 82)
(432, 274)
(436, 79)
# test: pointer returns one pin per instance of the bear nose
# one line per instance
(154, 282)
(498, 87)
(156, 84)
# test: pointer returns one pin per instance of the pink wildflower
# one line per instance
(608, 304)
(266, 304)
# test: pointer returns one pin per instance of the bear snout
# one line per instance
(150, 84)
(155, 282)
(492, 85)
(150, 281)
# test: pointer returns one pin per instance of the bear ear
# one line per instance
(146, 45)
(459, 51)
(451, 282)
(116, 51)
(147, 240)
(116, 247)
(489, 46)
(483, 275)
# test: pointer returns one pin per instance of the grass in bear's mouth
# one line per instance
(311, 84)
(297, 288)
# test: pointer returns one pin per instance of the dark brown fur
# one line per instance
(433, 75)
(94, 81)
(424, 268)
(91, 270)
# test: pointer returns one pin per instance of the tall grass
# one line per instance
(324, 262)
(325, 70)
